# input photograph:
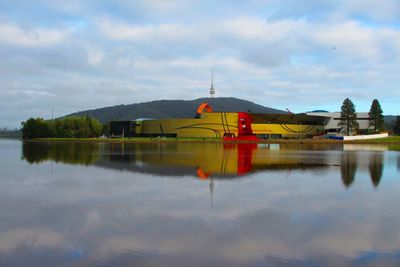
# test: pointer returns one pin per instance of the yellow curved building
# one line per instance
(226, 125)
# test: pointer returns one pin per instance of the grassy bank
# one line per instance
(125, 140)
(389, 139)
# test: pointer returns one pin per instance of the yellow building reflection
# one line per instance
(206, 160)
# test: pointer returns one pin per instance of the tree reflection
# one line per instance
(72, 153)
(348, 168)
(376, 168)
(224, 160)
(398, 163)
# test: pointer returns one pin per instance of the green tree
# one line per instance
(35, 128)
(396, 126)
(77, 127)
(348, 117)
(105, 129)
(375, 114)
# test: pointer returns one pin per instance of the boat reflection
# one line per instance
(208, 160)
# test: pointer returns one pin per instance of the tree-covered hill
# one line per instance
(172, 109)
(389, 122)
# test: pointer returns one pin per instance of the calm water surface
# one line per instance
(181, 204)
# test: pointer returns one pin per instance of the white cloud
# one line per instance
(94, 56)
(258, 29)
(289, 56)
(379, 10)
(123, 31)
(11, 34)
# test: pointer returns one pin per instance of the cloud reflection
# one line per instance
(88, 215)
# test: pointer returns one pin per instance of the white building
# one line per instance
(333, 119)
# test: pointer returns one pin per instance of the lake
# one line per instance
(198, 204)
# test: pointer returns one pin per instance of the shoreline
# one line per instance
(387, 141)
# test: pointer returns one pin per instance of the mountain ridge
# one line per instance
(172, 109)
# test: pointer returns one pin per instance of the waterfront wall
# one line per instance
(365, 137)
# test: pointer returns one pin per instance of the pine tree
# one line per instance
(396, 126)
(348, 117)
(376, 116)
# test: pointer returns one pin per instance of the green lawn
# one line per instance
(390, 139)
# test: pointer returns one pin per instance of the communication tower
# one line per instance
(212, 90)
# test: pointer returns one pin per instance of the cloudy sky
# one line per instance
(297, 54)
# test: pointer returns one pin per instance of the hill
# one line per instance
(172, 109)
(389, 121)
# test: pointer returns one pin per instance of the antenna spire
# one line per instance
(212, 185)
(212, 90)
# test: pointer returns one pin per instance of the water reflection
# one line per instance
(398, 163)
(177, 159)
(376, 168)
(209, 160)
(348, 168)
(72, 153)
(286, 213)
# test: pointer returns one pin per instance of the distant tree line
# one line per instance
(396, 126)
(72, 127)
